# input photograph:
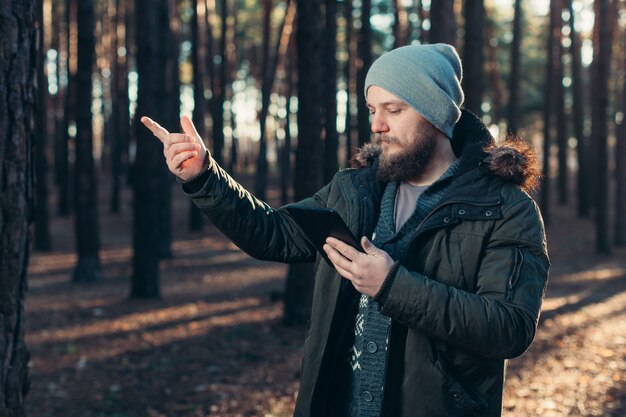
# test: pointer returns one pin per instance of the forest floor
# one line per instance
(214, 345)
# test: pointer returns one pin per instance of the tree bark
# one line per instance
(196, 220)
(151, 35)
(42, 223)
(349, 76)
(512, 116)
(561, 122)
(266, 86)
(85, 187)
(219, 94)
(473, 61)
(600, 102)
(442, 22)
(363, 63)
(582, 180)
(620, 170)
(549, 104)
(331, 145)
(62, 163)
(308, 175)
(17, 108)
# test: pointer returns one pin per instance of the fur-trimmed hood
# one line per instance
(514, 160)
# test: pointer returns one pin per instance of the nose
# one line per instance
(379, 125)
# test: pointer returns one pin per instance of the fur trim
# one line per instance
(515, 160)
(365, 156)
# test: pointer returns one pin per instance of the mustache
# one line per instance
(386, 139)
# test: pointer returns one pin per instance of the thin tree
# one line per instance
(331, 145)
(85, 189)
(42, 223)
(401, 27)
(349, 75)
(364, 61)
(620, 168)
(119, 107)
(600, 102)
(582, 180)
(514, 77)
(220, 89)
(473, 61)
(549, 104)
(285, 158)
(17, 64)
(561, 122)
(266, 85)
(442, 22)
(308, 174)
(197, 56)
(151, 35)
(62, 164)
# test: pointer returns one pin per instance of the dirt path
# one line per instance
(214, 345)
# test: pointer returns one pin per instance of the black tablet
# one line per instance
(320, 223)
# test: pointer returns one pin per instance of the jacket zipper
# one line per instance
(515, 273)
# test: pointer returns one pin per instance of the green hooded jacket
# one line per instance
(467, 298)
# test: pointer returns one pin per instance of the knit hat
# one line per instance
(427, 77)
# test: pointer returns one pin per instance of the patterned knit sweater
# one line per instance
(369, 353)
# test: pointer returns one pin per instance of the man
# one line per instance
(455, 263)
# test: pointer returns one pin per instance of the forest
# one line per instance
(118, 298)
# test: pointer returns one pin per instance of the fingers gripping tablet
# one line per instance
(320, 223)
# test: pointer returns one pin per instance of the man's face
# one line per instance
(408, 141)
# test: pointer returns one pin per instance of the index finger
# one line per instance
(157, 130)
(343, 248)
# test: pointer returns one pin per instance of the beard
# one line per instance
(409, 163)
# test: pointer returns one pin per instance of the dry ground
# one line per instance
(214, 344)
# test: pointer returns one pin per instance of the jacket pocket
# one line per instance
(516, 269)
(459, 396)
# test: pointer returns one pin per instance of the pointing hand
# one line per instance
(185, 153)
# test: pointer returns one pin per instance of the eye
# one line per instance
(394, 111)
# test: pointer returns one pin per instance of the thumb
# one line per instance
(189, 128)
(368, 246)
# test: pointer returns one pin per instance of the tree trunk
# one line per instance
(285, 164)
(512, 116)
(331, 145)
(364, 61)
(620, 177)
(85, 191)
(151, 35)
(219, 94)
(63, 165)
(266, 86)
(473, 66)
(582, 180)
(197, 56)
(548, 110)
(620, 170)
(17, 108)
(119, 109)
(561, 122)
(401, 25)
(349, 76)
(308, 175)
(42, 223)
(442, 22)
(600, 102)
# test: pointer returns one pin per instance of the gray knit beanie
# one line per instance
(427, 77)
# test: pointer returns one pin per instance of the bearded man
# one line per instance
(455, 265)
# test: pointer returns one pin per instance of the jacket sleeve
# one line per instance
(251, 224)
(499, 320)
